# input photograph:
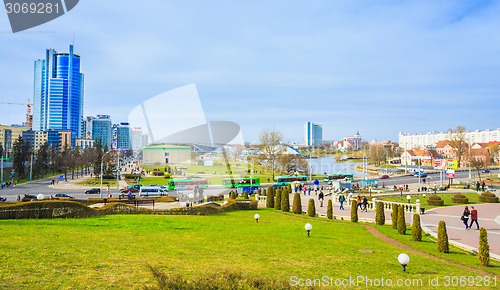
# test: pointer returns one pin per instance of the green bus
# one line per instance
(285, 180)
(240, 182)
(189, 183)
(338, 176)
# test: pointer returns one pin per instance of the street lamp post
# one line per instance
(31, 168)
(403, 259)
(102, 161)
(386, 162)
(1, 170)
(308, 229)
(118, 170)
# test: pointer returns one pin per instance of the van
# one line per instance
(152, 191)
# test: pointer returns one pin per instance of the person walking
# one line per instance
(477, 185)
(465, 217)
(305, 189)
(320, 198)
(482, 186)
(365, 203)
(473, 217)
(341, 200)
(358, 202)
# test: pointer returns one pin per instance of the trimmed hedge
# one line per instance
(245, 195)
(277, 199)
(394, 216)
(484, 248)
(488, 197)
(329, 210)
(158, 173)
(285, 201)
(459, 198)
(297, 204)
(416, 229)
(311, 208)
(270, 198)
(354, 212)
(442, 241)
(401, 220)
(379, 214)
(435, 200)
(131, 176)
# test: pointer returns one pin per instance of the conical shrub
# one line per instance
(484, 248)
(289, 187)
(232, 195)
(259, 191)
(263, 192)
(329, 210)
(285, 200)
(245, 195)
(297, 204)
(401, 220)
(416, 229)
(270, 198)
(311, 208)
(277, 199)
(442, 242)
(394, 216)
(380, 215)
(354, 212)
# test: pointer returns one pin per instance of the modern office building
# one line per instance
(98, 128)
(58, 93)
(9, 135)
(136, 138)
(84, 143)
(121, 136)
(421, 141)
(313, 133)
(53, 138)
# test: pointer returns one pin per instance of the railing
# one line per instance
(261, 199)
(372, 204)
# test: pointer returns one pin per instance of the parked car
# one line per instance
(416, 174)
(486, 171)
(130, 189)
(63, 196)
(3, 198)
(385, 176)
(93, 190)
(181, 187)
(152, 191)
(29, 197)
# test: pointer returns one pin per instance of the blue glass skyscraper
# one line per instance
(58, 93)
(313, 133)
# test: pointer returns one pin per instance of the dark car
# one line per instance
(130, 189)
(384, 176)
(29, 197)
(63, 196)
(3, 198)
(93, 191)
(486, 171)
(416, 174)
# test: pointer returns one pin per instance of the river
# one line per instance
(327, 164)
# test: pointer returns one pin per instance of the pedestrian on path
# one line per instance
(473, 217)
(341, 200)
(465, 217)
(365, 203)
(477, 185)
(320, 198)
(358, 203)
(482, 186)
(305, 189)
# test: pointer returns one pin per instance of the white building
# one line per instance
(420, 141)
(136, 138)
(166, 154)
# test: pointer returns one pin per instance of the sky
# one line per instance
(380, 67)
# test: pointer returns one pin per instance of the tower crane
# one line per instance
(29, 116)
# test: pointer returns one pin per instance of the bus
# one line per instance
(240, 182)
(285, 180)
(189, 183)
(338, 176)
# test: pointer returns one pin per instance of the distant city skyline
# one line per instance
(374, 67)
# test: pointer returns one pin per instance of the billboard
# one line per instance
(452, 164)
(114, 143)
(88, 128)
(440, 164)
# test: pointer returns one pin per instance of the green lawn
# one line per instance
(96, 182)
(473, 198)
(112, 251)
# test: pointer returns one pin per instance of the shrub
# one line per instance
(435, 200)
(285, 201)
(46, 209)
(484, 248)
(245, 195)
(416, 229)
(488, 197)
(442, 241)
(394, 216)
(270, 199)
(380, 215)
(158, 173)
(264, 193)
(354, 212)
(259, 191)
(311, 208)
(277, 199)
(130, 176)
(297, 204)
(289, 187)
(401, 220)
(232, 195)
(329, 209)
(167, 176)
(459, 198)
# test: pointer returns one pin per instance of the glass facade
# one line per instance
(123, 137)
(313, 133)
(58, 93)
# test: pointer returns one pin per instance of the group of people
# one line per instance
(473, 217)
(9, 184)
(401, 188)
(480, 186)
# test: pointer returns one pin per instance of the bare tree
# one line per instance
(458, 142)
(270, 147)
(477, 164)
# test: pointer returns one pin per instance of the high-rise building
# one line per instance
(98, 129)
(58, 93)
(313, 133)
(121, 136)
(136, 138)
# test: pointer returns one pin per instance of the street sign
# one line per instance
(450, 173)
(452, 164)
(61, 176)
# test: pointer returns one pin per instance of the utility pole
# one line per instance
(386, 162)
(1, 157)
(31, 168)
(118, 171)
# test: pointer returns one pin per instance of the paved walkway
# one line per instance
(488, 218)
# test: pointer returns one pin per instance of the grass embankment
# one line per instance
(96, 182)
(112, 251)
(473, 198)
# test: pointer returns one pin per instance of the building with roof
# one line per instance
(166, 154)
(9, 135)
(313, 133)
(421, 141)
(98, 128)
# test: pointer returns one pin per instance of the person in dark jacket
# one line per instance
(465, 217)
(365, 203)
(341, 200)
(321, 196)
(473, 217)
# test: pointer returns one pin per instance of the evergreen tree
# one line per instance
(297, 204)
(329, 210)
(380, 215)
(277, 199)
(232, 195)
(245, 195)
(484, 248)
(21, 152)
(442, 241)
(354, 212)
(270, 198)
(416, 229)
(311, 208)
(285, 200)
(394, 216)
(401, 221)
